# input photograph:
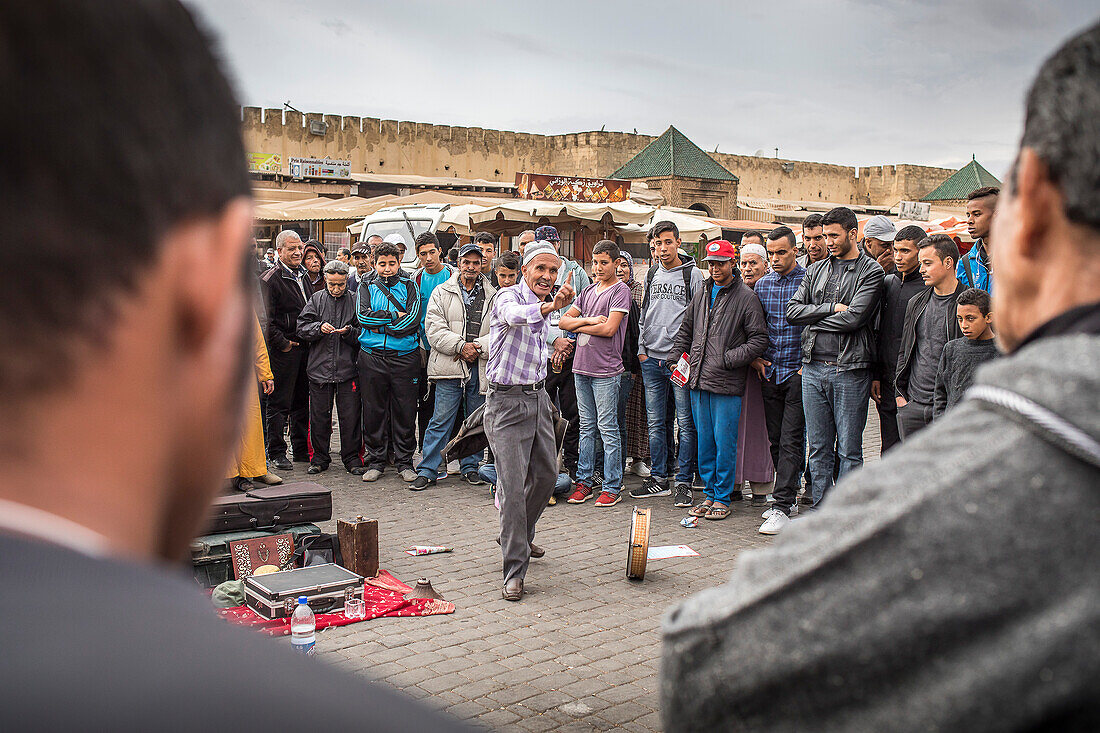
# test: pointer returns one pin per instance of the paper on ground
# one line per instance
(667, 551)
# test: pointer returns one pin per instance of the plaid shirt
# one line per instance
(518, 351)
(785, 349)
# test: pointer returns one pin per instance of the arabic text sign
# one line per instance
(571, 188)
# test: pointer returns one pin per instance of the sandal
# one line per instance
(700, 510)
(715, 513)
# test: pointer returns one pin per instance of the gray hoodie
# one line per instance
(663, 311)
(951, 586)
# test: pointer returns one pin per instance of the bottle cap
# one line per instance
(303, 599)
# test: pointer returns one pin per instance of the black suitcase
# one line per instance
(271, 506)
(210, 561)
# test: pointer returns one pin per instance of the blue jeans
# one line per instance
(835, 403)
(626, 383)
(449, 394)
(488, 474)
(716, 418)
(655, 376)
(598, 406)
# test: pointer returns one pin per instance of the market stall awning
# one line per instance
(320, 209)
(692, 228)
(457, 215)
(530, 210)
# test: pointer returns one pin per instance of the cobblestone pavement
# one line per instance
(579, 652)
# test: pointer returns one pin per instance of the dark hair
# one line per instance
(813, 221)
(780, 232)
(843, 216)
(664, 226)
(753, 233)
(425, 238)
(485, 238)
(974, 296)
(125, 127)
(387, 249)
(944, 245)
(344, 251)
(452, 253)
(911, 233)
(1063, 106)
(981, 193)
(508, 260)
(607, 247)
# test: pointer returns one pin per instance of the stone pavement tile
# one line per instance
(624, 712)
(498, 718)
(513, 693)
(585, 687)
(546, 701)
(466, 710)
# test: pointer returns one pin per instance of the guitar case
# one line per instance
(270, 506)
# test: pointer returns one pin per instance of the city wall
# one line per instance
(397, 147)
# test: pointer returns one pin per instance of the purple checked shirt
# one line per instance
(517, 337)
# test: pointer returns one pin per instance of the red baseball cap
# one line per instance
(720, 250)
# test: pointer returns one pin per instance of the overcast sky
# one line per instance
(856, 82)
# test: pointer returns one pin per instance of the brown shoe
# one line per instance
(513, 590)
(536, 551)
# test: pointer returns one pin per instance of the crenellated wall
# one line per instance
(390, 146)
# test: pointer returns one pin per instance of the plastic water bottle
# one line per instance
(303, 627)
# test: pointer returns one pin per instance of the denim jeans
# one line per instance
(598, 405)
(488, 474)
(835, 402)
(626, 383)
(449, 394)
(717, 417)
(655, 376)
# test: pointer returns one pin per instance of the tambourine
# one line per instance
(638, 548)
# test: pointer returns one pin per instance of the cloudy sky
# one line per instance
(855, 82)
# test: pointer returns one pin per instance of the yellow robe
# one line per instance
(251, 454)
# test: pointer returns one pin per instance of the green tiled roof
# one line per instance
(672, 154)
(960, 183)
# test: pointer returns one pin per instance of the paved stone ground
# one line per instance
(580, 652)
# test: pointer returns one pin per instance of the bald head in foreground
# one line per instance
(952, 586)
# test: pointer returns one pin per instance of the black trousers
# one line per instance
(563, 391)
(349, 411)
(888, 417)
(913, 417)
(389, 384)
(289, 400)
(786, 423)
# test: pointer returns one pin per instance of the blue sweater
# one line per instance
(383, 330)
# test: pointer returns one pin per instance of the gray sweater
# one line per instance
(956, 373)
(951, 586)
(667, 300)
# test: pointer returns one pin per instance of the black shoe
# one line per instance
(421, 483)
(473, 479)
(242, 484)
(315, 469)
(357, 470)
(597, 480)
(759, 500)
(806, 499)
(281, 463)
(302, 459)
(683, 495)
(651, 487)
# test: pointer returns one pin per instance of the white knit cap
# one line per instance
(534, 249)
(752, 248)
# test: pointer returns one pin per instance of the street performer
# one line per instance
(518, 413)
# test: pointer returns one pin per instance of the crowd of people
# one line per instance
(749, 381)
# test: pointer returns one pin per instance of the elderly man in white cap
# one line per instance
(878, 241)
(518, 412)
(753, 263)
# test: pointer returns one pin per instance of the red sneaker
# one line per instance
(608, 499)
(580, 494)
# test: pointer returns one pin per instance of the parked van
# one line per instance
(408, 222)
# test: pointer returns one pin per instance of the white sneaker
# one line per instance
(408, 475)
(640, 469)
(453, 469)
(768, 512)
(775, 523)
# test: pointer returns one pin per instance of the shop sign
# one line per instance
(265, 163)
(320, 168)
(570, 188)
(914, 210)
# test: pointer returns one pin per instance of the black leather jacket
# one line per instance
(861, 289)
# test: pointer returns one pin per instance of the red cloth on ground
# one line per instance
(384, 596)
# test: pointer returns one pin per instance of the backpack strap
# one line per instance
(969, 270)
(687, 284)
(390, 296)
(652, 272)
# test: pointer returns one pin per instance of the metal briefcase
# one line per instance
(323, 585)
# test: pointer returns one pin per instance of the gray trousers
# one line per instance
(912, 418)
(521, 433)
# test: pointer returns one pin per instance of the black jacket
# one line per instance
(913, 310)
(332, 356)
(899, 290)
(283, 300)
(861, 288)
(722, 341)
